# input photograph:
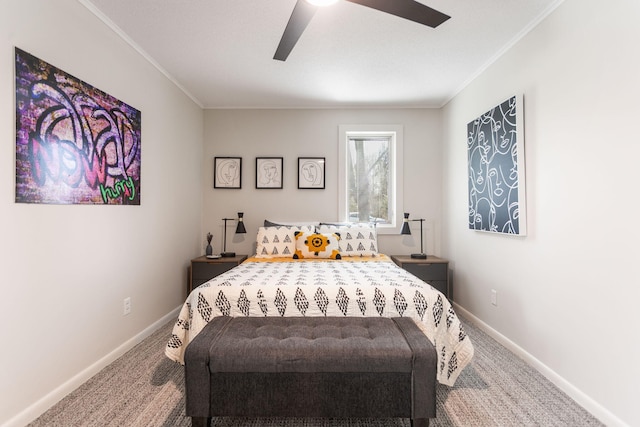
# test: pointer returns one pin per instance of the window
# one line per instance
(371, 175)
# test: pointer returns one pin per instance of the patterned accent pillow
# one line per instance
(275, 242)
(317, 245)
(356, 239)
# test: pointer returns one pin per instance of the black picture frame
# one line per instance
(311, 173)
(269, 172)
(227, 172)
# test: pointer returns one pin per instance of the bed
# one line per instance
(348, 277)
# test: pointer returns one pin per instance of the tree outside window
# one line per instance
(368, 179)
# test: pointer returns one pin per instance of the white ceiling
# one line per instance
(220, 51)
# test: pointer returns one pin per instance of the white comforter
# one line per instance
(361, 287)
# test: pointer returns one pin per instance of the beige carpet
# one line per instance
(144, 388)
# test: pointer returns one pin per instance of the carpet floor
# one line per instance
(144, 388)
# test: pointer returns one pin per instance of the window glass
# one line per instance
(369, 179)
(370, 182)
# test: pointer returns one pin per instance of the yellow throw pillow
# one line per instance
(317, 245)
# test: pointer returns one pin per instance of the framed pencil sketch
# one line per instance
(227, 172)
(268, 172)
(311, 172)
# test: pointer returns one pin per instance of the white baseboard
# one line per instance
(597, 410)
(38, 408)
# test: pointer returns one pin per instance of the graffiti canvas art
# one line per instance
(495, 152)
(74, 143)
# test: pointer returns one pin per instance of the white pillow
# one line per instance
(355, 240)
(275, 242)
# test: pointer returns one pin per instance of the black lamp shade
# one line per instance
(405, 225)
(240, 229)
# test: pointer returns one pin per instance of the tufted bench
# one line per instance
(331, 367)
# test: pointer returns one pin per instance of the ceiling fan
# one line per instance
(305, 9)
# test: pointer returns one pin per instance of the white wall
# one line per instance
(66, 269)
(568, 291)
(299, 133)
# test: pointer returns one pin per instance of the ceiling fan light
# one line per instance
(321, 2)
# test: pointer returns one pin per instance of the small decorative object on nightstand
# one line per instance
(204, 269)
(209, 249)
(433, 270)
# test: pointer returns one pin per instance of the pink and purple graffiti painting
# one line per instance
(74, 143)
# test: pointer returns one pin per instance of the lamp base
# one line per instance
(228, 254)
(419, 256)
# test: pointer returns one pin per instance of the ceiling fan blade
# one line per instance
(408, 9)
(300, 17)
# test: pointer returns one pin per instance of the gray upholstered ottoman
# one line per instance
(334, 367)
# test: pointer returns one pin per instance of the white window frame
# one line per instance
(396, 164)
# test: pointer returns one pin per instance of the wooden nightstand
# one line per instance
(432, 270)
(203, 269)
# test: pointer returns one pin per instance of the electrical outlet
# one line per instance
(494, 297)
(126, 307)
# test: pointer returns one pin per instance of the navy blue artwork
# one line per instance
(495, 153)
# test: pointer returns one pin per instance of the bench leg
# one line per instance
(420, 422)
(200, 422)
